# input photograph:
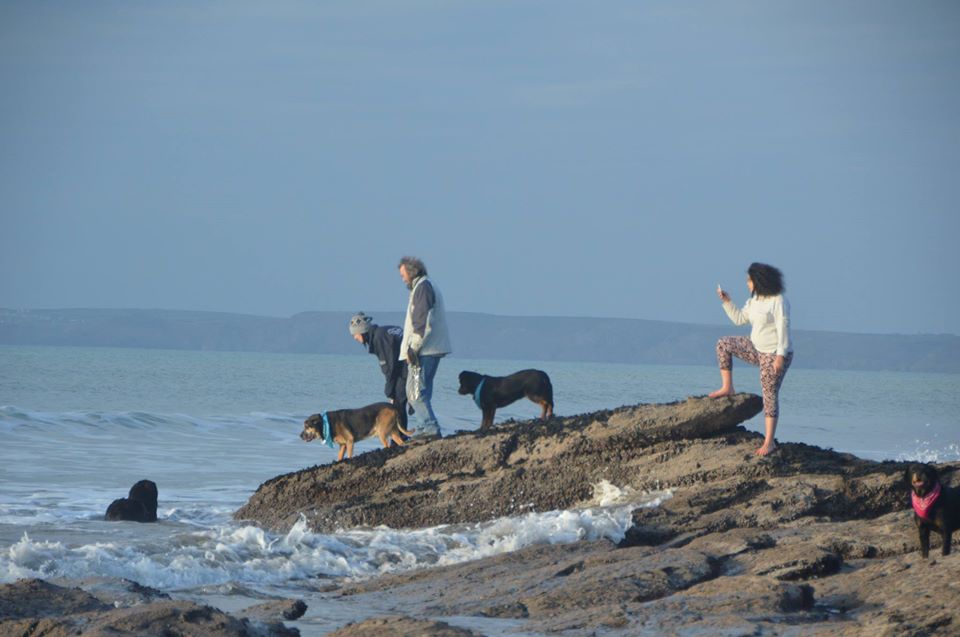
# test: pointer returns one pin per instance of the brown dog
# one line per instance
(348, 426)
(936, 507)
(491, 392)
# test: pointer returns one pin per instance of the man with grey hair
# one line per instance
(425, 341)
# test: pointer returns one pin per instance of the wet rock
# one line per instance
(401, 626)
(755, 605)
(514, 610)
(276, 610)
(801, 562)
(267, 618)
(114, 591)
(35, 598)
(648, 535)
(36, 607)
(903, 595)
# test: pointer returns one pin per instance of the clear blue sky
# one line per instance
(544, 158)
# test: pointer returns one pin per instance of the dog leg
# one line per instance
(384, 440)
(546, 410)
(487, 421)
(350, 449)
(397, 438)
(925, 541)
(536, 400)
(343, 448)
(947, 535)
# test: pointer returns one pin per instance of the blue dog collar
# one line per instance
(476, 394)
(327, 438)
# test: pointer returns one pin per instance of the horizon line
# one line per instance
(519, 316)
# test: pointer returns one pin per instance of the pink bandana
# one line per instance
(922, 505)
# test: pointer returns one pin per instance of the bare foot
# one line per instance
(766, 449)
(723, 391)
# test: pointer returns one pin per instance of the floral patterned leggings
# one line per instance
(770, 380)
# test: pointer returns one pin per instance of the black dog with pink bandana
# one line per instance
(936, 507)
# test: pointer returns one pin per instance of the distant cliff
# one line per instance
(474, 335)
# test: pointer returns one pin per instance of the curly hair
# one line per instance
(767, 280)
(414, 267)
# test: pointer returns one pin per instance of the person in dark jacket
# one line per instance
(383, 341)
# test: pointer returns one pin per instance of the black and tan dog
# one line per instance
(491, 392)
(936, 507)
(140, 505)
(348, 426)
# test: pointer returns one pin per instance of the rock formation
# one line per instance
(805, 542)
(481, 475)
(111, 608)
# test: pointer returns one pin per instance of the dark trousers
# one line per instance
(400, 399)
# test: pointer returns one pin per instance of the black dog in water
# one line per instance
(935, 507)
(491, 392)
(139, 506)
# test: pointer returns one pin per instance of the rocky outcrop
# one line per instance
(481, 475)
(805, 542)
(402, 626)
(113, 608)
(809, 542)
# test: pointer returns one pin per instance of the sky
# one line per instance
(548, 158)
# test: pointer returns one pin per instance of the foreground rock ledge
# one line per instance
(108, 607)
(482, 475)
(809, 542)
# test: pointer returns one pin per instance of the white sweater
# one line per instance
(769, 317)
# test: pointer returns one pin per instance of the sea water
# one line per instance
(78, 426)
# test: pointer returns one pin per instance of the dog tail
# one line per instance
(400, 426)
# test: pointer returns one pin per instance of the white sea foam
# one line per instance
(605, 493)
(924, 451)
(175, 557)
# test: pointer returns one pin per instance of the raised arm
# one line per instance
(738, 316)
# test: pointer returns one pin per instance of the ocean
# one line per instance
(80, 425)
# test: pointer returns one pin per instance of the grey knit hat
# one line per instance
(360, 323)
